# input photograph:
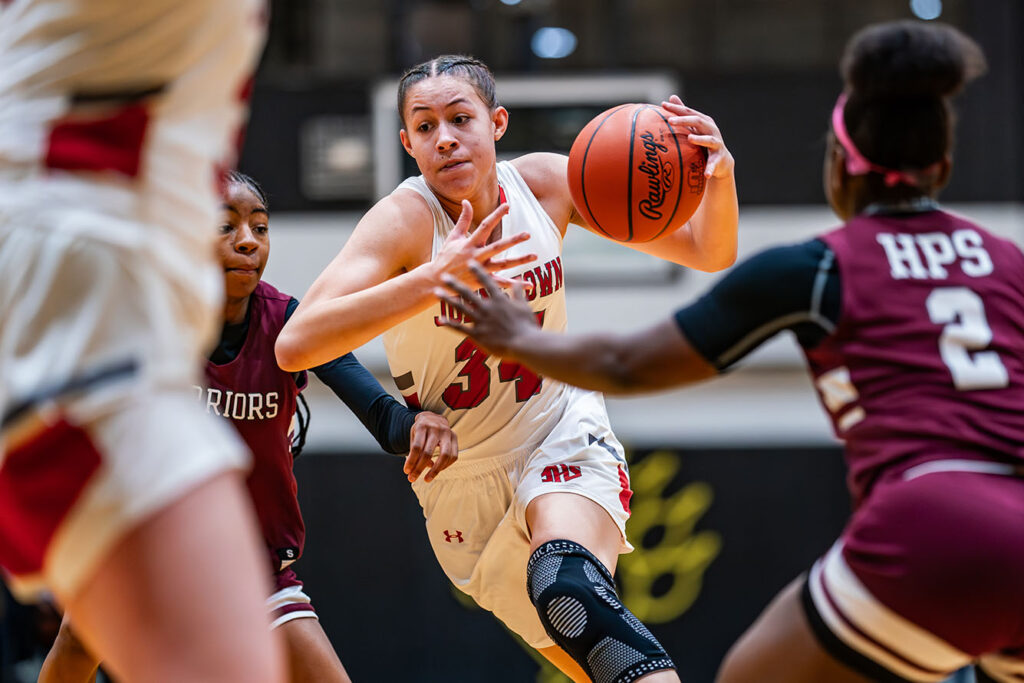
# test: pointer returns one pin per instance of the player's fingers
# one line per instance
(410, 463)
(709, 141)
(487, 251)
(465, 219)
(485, 279)
(449, 445)
(494, 265)
(690, 111)
(457, 326)
(440, 464)
(509, 282)
(487, 225)
(448, 452)
(689, 125)
(453, 301)
(417, 439)
(459, 288)
(719, 163)
(673, 104)
(423, 462)
(519, 290)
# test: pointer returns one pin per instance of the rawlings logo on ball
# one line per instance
(659, 177)
(632, 178)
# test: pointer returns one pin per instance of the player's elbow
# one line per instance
(716, 261)
(289, 351)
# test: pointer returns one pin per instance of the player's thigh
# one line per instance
(780, 647)
(311, 657)
(197, 586)
(574, 517)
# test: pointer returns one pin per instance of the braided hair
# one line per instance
(465, 67)
(239, 178)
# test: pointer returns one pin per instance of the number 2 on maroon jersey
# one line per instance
(966, 329)
(478, 377)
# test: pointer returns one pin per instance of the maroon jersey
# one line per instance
(260, 399)
(927, 361)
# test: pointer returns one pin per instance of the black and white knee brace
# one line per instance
(575, 597)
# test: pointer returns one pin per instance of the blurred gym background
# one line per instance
(739, 484)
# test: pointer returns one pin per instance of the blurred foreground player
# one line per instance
(912, 321)
(116, 492)
(245, 385)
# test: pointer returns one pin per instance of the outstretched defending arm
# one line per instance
(651, 359)
(794, 287)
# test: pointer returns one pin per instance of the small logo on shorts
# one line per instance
(287, 556)
(560, 473)
(449, 535)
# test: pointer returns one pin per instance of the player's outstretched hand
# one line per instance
(496, 319)
(461, 248)
(700, 129)
(432, 444)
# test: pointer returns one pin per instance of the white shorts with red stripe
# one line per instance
(114, 118)
(476, 510)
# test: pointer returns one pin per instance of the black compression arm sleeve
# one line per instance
(794, 287)
(385, 418)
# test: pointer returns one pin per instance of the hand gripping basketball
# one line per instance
(633, 175)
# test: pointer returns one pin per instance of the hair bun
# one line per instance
(910, 60)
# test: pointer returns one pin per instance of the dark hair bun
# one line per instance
(910, 59)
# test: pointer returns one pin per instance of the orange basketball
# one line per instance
(631, 177)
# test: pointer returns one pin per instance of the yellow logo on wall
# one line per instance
(678, 559)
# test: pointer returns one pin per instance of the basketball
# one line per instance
(633, 179)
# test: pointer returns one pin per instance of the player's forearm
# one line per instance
(320, 331)
(708, 241)
(600, 362)
(715, 225)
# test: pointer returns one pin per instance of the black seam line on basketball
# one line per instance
(629, 175)
(89, 380)
(583, 169)
(679, 194)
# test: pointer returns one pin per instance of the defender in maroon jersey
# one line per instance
(912, 321)
(246, 386)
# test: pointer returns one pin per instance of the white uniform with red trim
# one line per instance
(116, 118)
(520, 436)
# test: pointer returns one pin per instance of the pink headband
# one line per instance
(858, 164)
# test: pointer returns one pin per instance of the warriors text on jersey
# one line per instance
(260, 399)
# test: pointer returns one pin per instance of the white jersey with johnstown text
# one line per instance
(494, 406)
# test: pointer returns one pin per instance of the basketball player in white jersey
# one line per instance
(115, 117)
(531, 519)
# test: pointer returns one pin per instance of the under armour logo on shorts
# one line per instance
(448, 536)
